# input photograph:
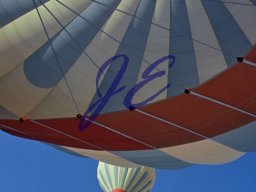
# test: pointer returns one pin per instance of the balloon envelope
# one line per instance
(121, 179)
(105, 79)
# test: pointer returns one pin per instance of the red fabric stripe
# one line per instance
(95, 135)
(251, 56)
(204, 117)
(147, 129)
(235, 87)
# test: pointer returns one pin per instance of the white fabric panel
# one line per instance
(209, 58)
(81, 76)
(156, 48)
(204, 152)
(56, 103)
(245, 17)
(19, 95)
(20, 38)
(104, 156)
(120, 19)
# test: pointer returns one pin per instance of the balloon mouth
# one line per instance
(118, 190)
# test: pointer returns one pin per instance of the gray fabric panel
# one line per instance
(242, 139)
(43, 69)
(254, 2)
(153, 158)
(184, 73)
(139, 182)
(12, 9)
(232, 40)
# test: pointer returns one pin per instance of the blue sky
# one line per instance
(29, 166)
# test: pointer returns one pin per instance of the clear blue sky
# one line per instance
(29, 166)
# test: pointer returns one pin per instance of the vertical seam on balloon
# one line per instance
(123, 50)
(55, 55)
(64, 27)
(79, 15)
(13, 18)
(218, 32)
(25, 40)
(119, 42)
(187, 37)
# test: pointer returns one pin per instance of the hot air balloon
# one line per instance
(157, 83)
(121, 179)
